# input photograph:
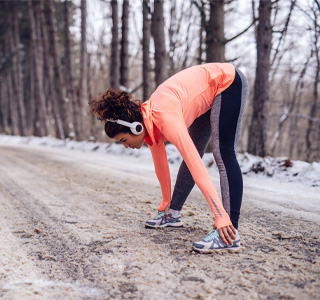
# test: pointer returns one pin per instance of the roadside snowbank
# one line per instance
(281, 168)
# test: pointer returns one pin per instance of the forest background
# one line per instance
(55, 56)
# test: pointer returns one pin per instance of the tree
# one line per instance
(257, 130)
(30, 91)
(179, 36)
(203, 25)
(212, 13)
(53, 48)
(4, 103)
(83, 84)
(11, 76)
(49, 77)
(281, 40)
(124, 69)
(157, 30)
(12, 116)
(114, 63)
(313, 133)
(40, 124)
(18, 71)
(215, 40)
(69, 70)
(4, 62)
(145, 48)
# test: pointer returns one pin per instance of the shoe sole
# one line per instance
(180, 224)
(231, 250)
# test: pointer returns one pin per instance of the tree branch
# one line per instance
(201, 11)
(302, 116)
(136, 88)
(242, 32)
(284, 31)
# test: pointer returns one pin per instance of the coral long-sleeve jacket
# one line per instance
(169, 112)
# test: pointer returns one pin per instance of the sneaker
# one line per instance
(161, 221)
(212, 242)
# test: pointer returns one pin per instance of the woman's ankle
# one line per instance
(175, 213)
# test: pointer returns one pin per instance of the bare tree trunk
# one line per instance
(53, 47)
(91, 118)
(40, 125)
(177, 16)
(257, 130)
(214, 28)
(12, 84)
(114, 65)
(4, 111)
(5, 85)
(45, 118)
(215, 40)
(173, 31)
(146, 47)
(188, 41)
(280, 40)
(49, 82)
(3, 107)
(124, 70)
(30, 97)
(312, 139)
(13, 106)
(203, 25)
(3, 125)
(253, 5)
(83, 84)
(48, 89)
(69, 69)
(18, 72)
(295, 140)
(10, 96)
(157, 29)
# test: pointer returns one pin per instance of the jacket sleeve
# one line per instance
(175, 130)
(161, 166)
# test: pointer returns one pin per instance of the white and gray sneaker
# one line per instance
(212, 242)
(161, 221)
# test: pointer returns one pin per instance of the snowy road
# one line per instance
(71, 227)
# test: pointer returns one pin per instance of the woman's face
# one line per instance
(130, 140)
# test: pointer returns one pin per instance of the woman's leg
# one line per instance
(199, 131)
(226, 115)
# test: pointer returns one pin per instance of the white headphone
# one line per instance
(135, 127)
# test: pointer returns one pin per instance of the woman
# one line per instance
(187, 109)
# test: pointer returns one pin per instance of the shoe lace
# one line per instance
(160, 215)
(211, 235)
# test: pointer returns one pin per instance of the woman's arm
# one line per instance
(161, 166)
(175, 130)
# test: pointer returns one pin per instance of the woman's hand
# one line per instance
(227, 234)
(166, 210)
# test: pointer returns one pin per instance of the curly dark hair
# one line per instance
(116, 104)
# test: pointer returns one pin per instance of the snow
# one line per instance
(281, 169)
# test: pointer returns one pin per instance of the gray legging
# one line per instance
(225, 120)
